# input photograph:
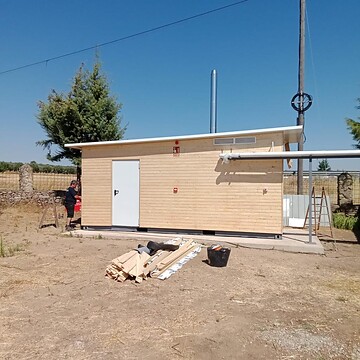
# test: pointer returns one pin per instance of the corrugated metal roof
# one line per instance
(291, 135)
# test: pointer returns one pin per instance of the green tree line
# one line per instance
(38, 168)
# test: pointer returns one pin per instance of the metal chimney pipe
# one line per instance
(213, 103)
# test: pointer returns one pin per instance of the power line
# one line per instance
(124, 38)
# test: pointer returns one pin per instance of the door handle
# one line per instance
(116, 192)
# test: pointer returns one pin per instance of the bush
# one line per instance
(345, 222)
(38, 168)
(9, 166)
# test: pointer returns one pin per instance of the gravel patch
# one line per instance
(301, 341)
(355, 355)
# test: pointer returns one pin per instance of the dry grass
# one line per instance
(263, 305)
(11, 286)
(347, 289)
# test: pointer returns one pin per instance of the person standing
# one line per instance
(70, 200)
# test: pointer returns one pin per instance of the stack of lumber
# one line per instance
(127, 265)
(138, 266)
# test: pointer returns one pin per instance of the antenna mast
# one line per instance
(301, 101)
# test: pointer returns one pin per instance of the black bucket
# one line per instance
(218, 257)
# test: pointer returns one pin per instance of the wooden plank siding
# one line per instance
(244, 196)
(96, 191)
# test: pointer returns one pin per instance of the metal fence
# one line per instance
(41, 181)
(326, 180)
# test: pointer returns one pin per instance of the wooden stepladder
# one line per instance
(324, 204)
(50, 207)
(318, 211)
(313, 217)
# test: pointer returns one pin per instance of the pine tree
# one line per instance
(324, 165)
(86, 114)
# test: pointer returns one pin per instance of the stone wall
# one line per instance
(22, 197)
(26, 194)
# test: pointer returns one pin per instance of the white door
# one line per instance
(125, 193)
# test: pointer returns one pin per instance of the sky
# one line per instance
(162, 77)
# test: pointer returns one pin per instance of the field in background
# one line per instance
(42, 181)
(51, 181)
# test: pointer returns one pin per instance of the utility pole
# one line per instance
(301, 101)
(300, 119)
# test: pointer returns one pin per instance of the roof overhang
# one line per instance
(291, 134)
(316, 154)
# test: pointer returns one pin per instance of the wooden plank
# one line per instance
(160, 255)
(123, 258)
(115, 274)
(55, 213)
(138, 269)
(129, 264)
(43, 216)
(175, 254)
(152, 262)
(156, 274)
(122, 276)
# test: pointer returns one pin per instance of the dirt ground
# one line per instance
(56, 303)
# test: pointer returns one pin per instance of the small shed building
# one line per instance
(181, 183)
